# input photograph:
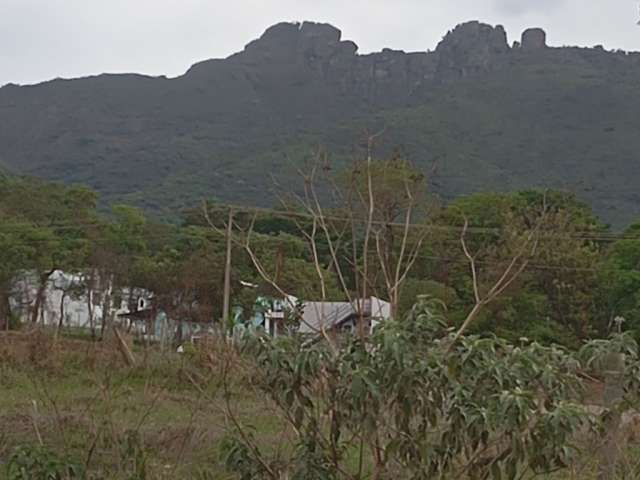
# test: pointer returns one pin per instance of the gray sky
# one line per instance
(44, 39)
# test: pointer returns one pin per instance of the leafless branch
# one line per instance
(514, 269)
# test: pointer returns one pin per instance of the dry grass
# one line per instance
(80, 399)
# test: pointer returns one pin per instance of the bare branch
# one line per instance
(472, 261)
(510, 274)
(316, 261)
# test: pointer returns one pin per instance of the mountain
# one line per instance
(478, 113)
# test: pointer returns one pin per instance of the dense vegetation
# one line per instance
(406, 404)
(412, 402)
(284, 409)
(579, 280)
(508, 395)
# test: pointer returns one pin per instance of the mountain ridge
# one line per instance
(220, 128)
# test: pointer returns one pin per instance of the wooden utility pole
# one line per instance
(279, 264)
(227, 273)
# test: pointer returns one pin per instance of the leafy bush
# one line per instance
(408, 403)
(39, 463)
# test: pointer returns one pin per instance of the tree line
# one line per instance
(371, 228)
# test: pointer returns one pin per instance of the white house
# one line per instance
(67, 298)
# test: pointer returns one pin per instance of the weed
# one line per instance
(39, 463)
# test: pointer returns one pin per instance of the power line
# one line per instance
(18, 227)
(596, 238)
(461, 260)
(586, 235)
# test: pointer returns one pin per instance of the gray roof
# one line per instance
(319, 315)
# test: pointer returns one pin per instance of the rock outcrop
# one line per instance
(533, 39)
(470, 49)
(315, 55)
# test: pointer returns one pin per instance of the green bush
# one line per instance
(39, 463)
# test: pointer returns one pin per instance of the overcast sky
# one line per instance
(44, 39)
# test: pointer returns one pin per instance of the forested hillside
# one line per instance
(476, 114)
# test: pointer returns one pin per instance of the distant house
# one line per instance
(68, 302)
(343, 316)
(150, 324)
(314, 317)
(268, 314)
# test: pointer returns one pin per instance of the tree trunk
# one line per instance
(613, 394)
(90, 304)
(106, 309)
(5, 311)
(42, 288)
(61, 321)
(179, 332)
(131, 307)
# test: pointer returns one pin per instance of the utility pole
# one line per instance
(279, 264)
(227, 273)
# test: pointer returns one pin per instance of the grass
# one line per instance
(79, 400)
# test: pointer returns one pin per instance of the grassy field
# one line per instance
(163, 418)
(166, 417)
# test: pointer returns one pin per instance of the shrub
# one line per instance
(409, 403)
(39, 463)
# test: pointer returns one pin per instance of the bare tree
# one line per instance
(368, 237)
(517, 260)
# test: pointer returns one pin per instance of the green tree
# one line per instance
(16, 252)
(554, 296)
(405, 404)
(59, 218)
(620, 279)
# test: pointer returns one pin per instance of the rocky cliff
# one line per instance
(496, 116)
(315, 54)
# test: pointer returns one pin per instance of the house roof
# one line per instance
(319, 315)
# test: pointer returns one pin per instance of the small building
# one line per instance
(277, 316)
(68, 301)
(153, 325)
(343, 316)
(269, 314)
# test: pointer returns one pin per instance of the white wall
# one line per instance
(76, 308)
